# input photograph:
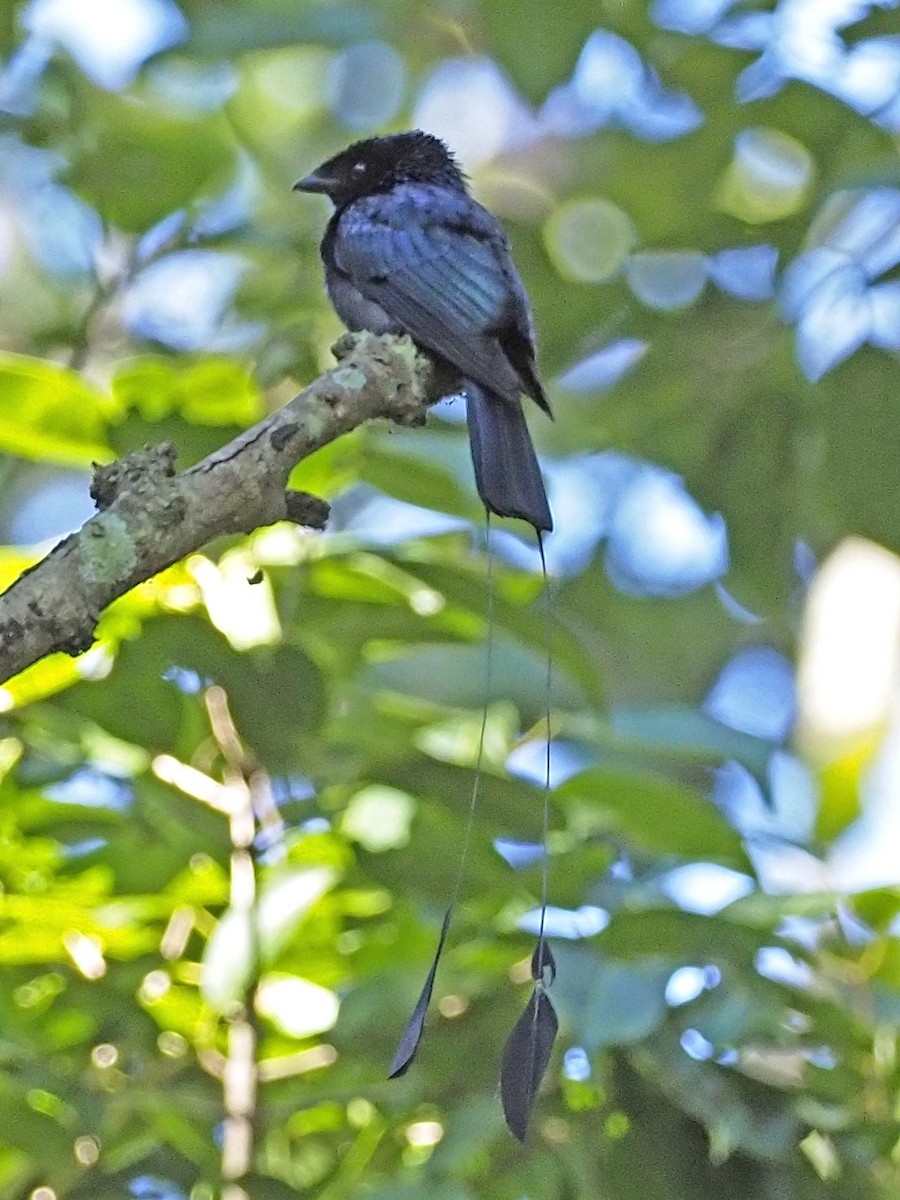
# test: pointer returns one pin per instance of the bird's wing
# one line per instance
(440, 267)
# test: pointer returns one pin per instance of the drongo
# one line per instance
(408, 250)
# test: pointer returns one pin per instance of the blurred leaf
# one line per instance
(231, 960)
(145, 163)
(42, 680)
(48, 412)
(426, 476)
(560, 33)
(680, 732)
(230, 29)
(841, 787)
(46, 929)
(683, 937)
(208, 391)
(739, 1113)
(330, 469)
(576, 663)
(608, 1003)
(454, 676)
(244, 943)
(283, 902)
(658, 814)
(276, 696)
(13, 561)
(877, 907)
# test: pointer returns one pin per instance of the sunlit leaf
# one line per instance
(50, 413)
(230, 959)
(208, 391)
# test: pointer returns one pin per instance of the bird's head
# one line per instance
(379, 164)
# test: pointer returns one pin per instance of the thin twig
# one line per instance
(240, 1076)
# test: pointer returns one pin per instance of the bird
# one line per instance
(409, 251)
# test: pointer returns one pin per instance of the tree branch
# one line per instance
(149, 516)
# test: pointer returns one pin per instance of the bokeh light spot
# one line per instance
(299, 1008)
(667, 279)
(87, 1150)
(365, 85)
(379, 818)
(471, 104)
(768, 179)
(589, 240)
(424, 1133)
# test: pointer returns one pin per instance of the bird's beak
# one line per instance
(314, 182)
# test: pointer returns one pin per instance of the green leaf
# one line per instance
(48, 412)
(609, 1003)
(454, 676)
(230, 28)
(520, 610)
(432, 473)
(657, 814)
(231, 960)
(560, 32)
(679, 731)
(276, 695)
(740, 1114)
(244, 943)
(179, 1129)
(284, 902)
(41, 680)
(206, 391)
(331, 469)
(145, 163)
(684, 937)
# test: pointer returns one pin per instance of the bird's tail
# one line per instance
(507, 474)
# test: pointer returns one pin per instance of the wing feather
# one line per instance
(445, 277)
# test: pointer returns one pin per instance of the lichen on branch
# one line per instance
(150, 516)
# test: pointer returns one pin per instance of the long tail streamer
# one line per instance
(526, 1054)
(529, 1046)
(412, 1034)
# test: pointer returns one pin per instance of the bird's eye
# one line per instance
(359, 168)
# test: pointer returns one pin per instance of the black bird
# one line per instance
(409, 251)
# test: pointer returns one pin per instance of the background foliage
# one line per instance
(703, 200)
